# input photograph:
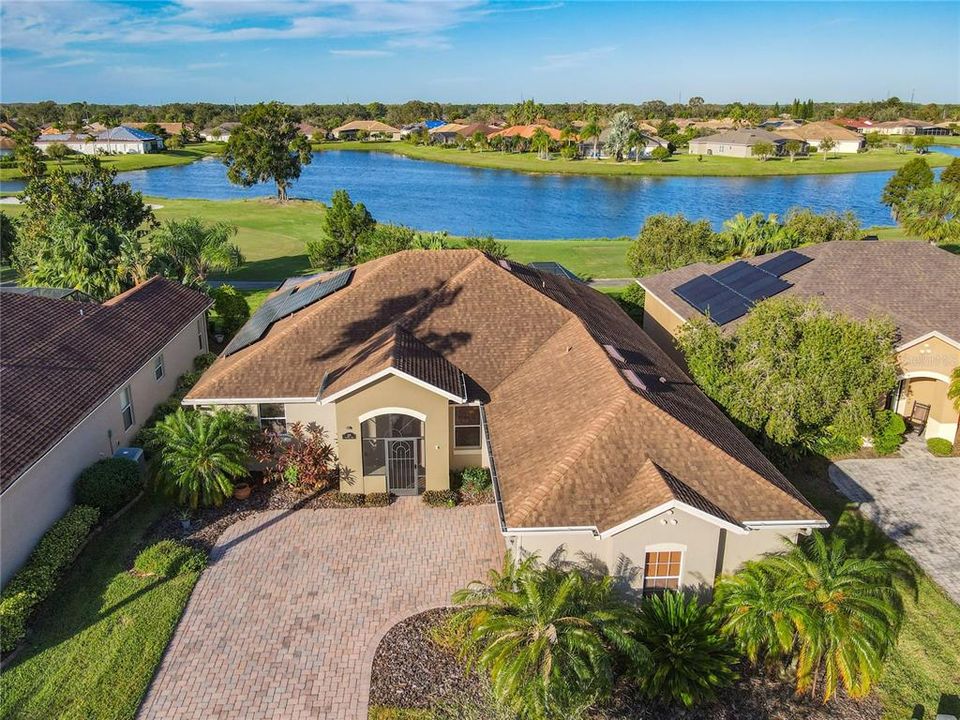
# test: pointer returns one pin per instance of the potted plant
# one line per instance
(241, 491)
(185, 521)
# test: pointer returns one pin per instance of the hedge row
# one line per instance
(109, 484)
(39, 576)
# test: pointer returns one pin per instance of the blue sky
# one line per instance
(472, 51)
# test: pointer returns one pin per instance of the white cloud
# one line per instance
(421, 42)
(576, 59)
(361, 53)
(206, 65)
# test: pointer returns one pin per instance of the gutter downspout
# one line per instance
(493, 471)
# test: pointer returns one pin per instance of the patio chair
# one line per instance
(918, 417)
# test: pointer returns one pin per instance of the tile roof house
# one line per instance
(912, 283)
(219, 133)
(76, 380)
(350, 130)
(120, 140)
(845, 140)
(527, 131)
(424, 362)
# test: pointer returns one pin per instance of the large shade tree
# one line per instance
(267, 145)
(914, 175)
(344, 226)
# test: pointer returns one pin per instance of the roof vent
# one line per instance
(634, 380)
(614, 353)
(505, 265)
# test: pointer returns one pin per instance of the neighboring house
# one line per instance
(597, 150)
(373, 128)
(446, 133)
(170, 128)
(845, 140)
(468, 131)
(7, 146)
(308, 130)
(906, 126)
(77, 379)
(736, 143)
(76, 142)
(527, 131)
(8, 127)
(428, 361)
(780, 123)
(97, 127)
(714, 125)
(219, 133)
(123, 140)
(913, 283)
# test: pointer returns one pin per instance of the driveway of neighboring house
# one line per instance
(285, 621)
(914, 499)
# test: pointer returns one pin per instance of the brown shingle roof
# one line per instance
(911, 282)
(62, 358)
(570, 433)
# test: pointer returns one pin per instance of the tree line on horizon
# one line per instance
(203, 114)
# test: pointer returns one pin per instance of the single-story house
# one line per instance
(780, 123)
(97, 127)
(77, 379)
(912, 283)
(736, 143)
(8, 127)
(309, 130)
(123, 140)
(373, 129)
(719, 125)
(446, 133)
(76, 142)
(598, 149)
(219, 133)
(470, 130)
(527, 131)
(170, 128)
(428, 361)
(7, 146)
(906, 126)
(845, 141)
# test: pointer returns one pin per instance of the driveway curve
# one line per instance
(285, 621)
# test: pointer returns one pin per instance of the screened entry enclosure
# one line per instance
(393, 448)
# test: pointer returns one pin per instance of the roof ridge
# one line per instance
(117, 299)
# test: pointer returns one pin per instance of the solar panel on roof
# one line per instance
(554, 268)
(712, 297)
(784, 263)
(283, 304)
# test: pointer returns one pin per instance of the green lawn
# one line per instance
(679, 164)
(131, 162)
(97, 642)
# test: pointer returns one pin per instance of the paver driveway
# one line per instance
(285, 621)
(914, 500)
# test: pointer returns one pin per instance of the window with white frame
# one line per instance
(273, 417)
(126, 407)
(661, 571)
(466, 427)
(158, 369)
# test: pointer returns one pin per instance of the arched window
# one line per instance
(393, 447)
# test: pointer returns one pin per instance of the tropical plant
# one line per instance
(951, 174)
(826, 145)
(592, 130)
(953, 391)
(28, 156)
(267, 145)
(488, 245)
(795, 373)
(763, 151)
(540, 141)
(922, 143)
(689, 659)
(191, 249)
(302, 458)
(549, 638)
(8, 237)
(793, 148)
(231, 308)
(932, 213)
(754, 235)
(57, 151)
(200, 454)
(618, 141)
(914, 175)
(385, 239)
(344, 226)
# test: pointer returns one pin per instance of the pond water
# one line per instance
(505, 204)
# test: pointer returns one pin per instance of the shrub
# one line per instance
(940, 447)
(376, 500)
(168, 558)
(490, 246)
(630, 299)
(476, 478)
(203, 361)
(231, 308)
(109, 484)
(38, 577)
(346, 499)
(304, 460)
(888, 430)
(440, 498)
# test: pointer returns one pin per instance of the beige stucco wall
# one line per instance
(663, 325)
(720, 149)
(394, 392)
(460, 459)
(927, 366)
(45, 491)
(708, 550)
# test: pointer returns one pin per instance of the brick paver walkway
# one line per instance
(285, 621)
(914, 499)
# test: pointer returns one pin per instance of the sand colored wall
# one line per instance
(663, 326)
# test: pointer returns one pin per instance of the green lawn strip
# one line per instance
(96, 644)
(255, 298)
(123, 163)
(678, 164)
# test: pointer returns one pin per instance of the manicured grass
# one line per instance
(130, 162)
(594, 258)
(95, 646)
(679, 164)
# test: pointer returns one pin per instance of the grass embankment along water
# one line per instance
(122, 163)
(679, 164)
(94, 647)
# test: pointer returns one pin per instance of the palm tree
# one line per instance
(192, 249)
(638, 141)
(200, 455)
(953, 392)
(933, 213)
(540, 141)
(689, 658)
(548, 638)
(760, 614)
(854, 614)
(592, 130)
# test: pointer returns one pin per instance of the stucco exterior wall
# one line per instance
(45, 491)
(720, 149)
(708, 550)
(926, 366)
(464, 458)
(391, 393)
(663, 326)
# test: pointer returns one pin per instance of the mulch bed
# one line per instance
(411, 671)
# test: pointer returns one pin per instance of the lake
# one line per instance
(506, 204)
